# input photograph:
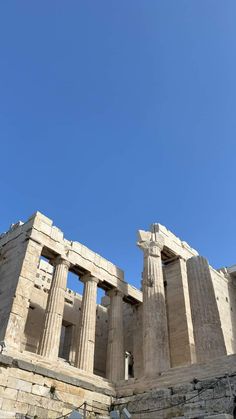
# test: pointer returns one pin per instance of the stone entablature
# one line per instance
(41, 230)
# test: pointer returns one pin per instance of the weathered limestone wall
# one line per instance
(46, 393)
(204, 390)
(19, 260)
(9, 274)
(206, 399)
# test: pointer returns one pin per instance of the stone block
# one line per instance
(53, 414)
(40, 412)
(24, 365)
(45, 371)
(4, 414)
(8, 405)
(21, 407)
(10, 393)
(40, 390)
(6, 360)
(19, 384)
(220, 416)
(29, 398)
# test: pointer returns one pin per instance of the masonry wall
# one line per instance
(210, 398)
(37, 392)
(18, 264)
(9, 273)
(205, 390)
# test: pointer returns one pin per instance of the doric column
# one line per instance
(155, 332)
(87, 325)
(49, 345)
(138, 340)
(208, 335)
(115, 368)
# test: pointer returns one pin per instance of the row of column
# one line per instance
(49, 344)
(208, 336)
(208, 339)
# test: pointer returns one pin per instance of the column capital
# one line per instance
(151, 248)
(114, 291)
(59, 260)
(89, 278)
(150, 243)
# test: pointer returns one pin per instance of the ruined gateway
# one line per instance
(167, 351)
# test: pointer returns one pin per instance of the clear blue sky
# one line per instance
(117, 114)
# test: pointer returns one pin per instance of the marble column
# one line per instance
(115, 368)
(49, 345)
(87, 325)
(156, 356)
(208, 335)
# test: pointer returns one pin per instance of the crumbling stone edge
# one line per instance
(8, 361)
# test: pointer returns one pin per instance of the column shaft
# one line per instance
(87, 326)
(155, 332)
(208, 335)
(115, 368)
(138, 341)
(49, 345)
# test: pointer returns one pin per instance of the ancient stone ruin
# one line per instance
(165, 351)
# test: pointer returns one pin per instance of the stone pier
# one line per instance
(49, 345)
(17, 283)
(208, 335)
(87, 325)
(181, 339)
(115, 369)
(156, 356)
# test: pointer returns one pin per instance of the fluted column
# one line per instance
(87, 325)
(49, 345)
(208, 335)
(115, 368)
(156, 356)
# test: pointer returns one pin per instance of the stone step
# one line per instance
(175, 376)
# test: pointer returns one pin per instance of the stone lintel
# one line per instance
(88, 277)
(115, 291)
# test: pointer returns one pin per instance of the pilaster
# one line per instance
(208, 335)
